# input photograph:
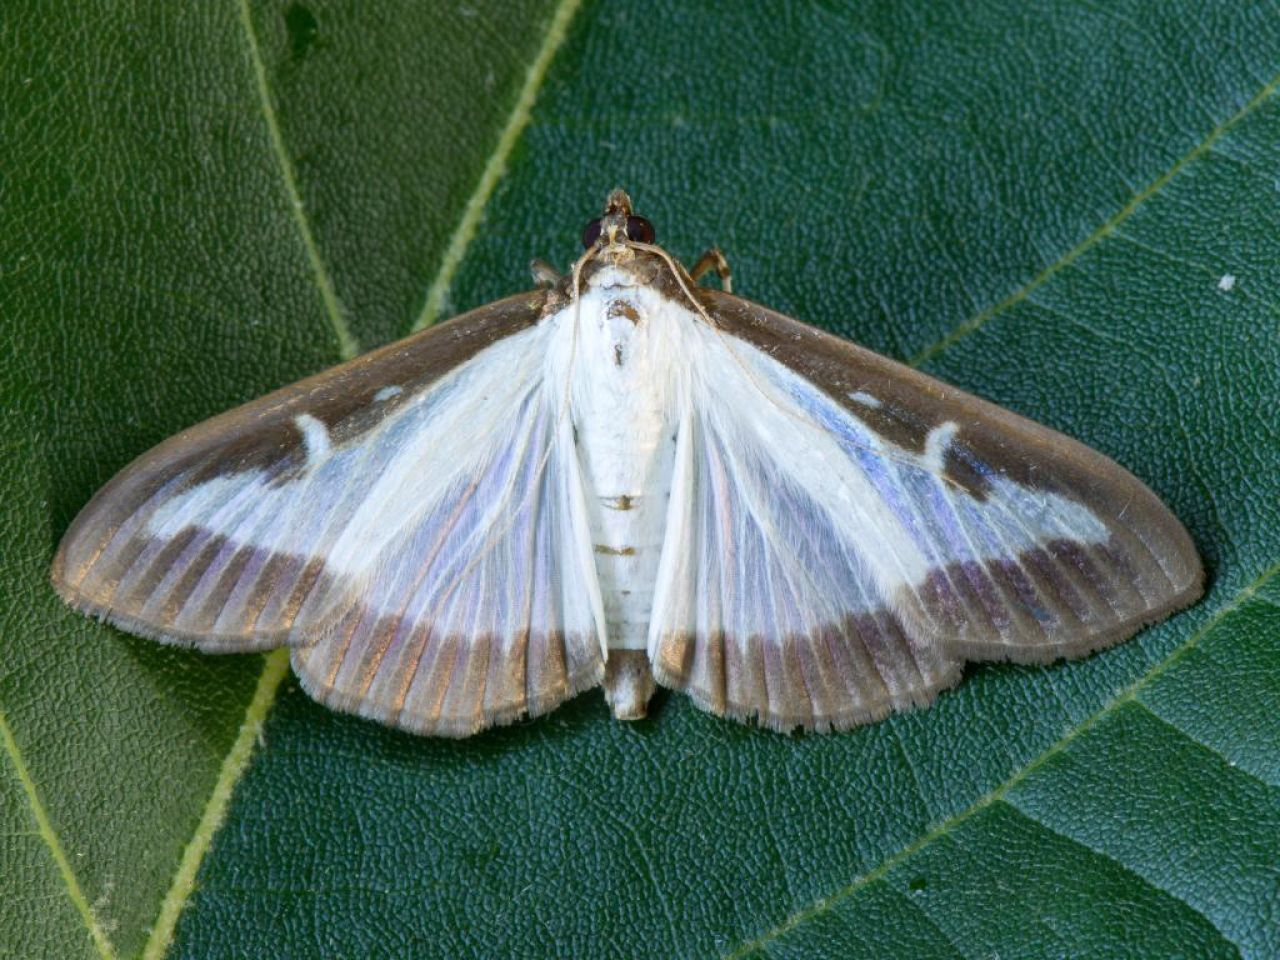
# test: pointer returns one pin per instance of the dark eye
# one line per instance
(639, 229)
(591, 234)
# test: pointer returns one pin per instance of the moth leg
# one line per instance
(544, 274)
(713, 259)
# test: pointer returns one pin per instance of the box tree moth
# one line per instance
(625, 478)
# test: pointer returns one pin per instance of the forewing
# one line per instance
(858, 530)
(410, 522)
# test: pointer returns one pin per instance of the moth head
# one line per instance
(617, 225)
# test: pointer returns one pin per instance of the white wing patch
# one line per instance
(893, 509)
(803, 546)
(931, 516)
(315, 438)
(452, 581)
(358, 500)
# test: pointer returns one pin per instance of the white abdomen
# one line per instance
(625, 425)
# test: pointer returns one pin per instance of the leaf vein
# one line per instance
(274, 670)
(1139, 877)
(347, 343)
(975, 323)
(44, 827)
(927, 919)
(1208, 748)
(496, 166)
(275, 667)
(823, 904)
(642, 854)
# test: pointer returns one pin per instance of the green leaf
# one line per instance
(1037, 204)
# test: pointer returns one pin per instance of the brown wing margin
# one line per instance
(223, 593)
(107, 567)
(1149, 569)
(1060, 599)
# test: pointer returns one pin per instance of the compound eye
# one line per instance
(639, 229)
(591, 234)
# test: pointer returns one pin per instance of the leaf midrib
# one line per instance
(234, 764)
(276, 665)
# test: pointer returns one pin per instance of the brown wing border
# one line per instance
(1078, 597)
(1067, 466)
(262, 433)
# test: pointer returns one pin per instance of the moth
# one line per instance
(626, 478)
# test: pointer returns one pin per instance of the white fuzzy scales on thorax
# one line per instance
(625, 394)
